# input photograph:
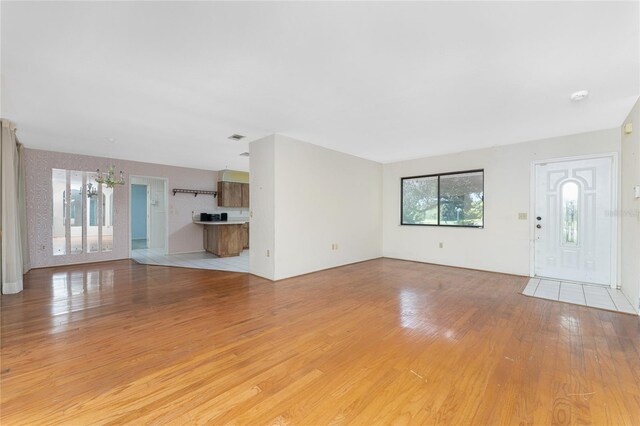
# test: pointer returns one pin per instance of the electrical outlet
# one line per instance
(268, 253)
(441, 245)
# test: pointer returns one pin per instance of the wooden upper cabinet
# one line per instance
(233, 194)
(245, 194)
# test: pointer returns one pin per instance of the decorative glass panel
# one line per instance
(570, 200)
(75, 212)
(107, 218)
(92, 214)
(59, 188)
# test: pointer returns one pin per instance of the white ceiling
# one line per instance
(171, 81)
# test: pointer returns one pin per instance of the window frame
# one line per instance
(84, 219)
(439, 175)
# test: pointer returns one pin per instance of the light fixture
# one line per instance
(579, 95)
(244, 154)
(110, 178)
(236, 137)
(91, 191)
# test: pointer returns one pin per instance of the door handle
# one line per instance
(538, 226)
(538, 218)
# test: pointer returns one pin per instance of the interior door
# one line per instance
(573, 220)
(158, 214)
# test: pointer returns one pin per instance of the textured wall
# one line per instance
(184, 236)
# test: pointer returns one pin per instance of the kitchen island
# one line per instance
(225, 239)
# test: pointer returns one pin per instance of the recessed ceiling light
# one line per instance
(579, 95)
(244, 154)
(236, 137)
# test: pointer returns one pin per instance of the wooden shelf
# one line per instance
(195, 192)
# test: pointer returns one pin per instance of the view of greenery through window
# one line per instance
(460, 197)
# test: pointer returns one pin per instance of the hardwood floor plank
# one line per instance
(379, 342)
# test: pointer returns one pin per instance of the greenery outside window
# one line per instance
(446, 199)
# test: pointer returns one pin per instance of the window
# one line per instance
(569, 219)
(82, 221)
(447, 199)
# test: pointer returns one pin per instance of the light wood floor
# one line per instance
(379, 342)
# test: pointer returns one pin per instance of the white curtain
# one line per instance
(14, 259)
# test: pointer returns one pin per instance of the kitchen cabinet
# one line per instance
(224, 240)
(244, 232)
(245, 194)
(229, 194)
(233, 194)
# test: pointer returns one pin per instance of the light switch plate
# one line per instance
(522, 216)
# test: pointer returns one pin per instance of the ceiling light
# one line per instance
(110, 179)
(236, 137)
(244, 154)
(579, 95)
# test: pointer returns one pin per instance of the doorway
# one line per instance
(148, 215)
(573, 225)
(139, 216)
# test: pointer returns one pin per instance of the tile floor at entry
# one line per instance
(200, 260)
(594, 296)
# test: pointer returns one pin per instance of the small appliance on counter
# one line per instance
(213, 217)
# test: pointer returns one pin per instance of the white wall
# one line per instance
(630, 177)
(503, 244)
(304, 199)
(324, 197)
(262, 202)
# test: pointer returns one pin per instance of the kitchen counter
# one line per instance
(227, 222)
(227, 240)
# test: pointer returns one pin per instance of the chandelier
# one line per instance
(110, 178)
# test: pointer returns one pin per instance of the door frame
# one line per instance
(166, 219)
(615, 222)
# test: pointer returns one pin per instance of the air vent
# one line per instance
(244, 154)
(236, 137)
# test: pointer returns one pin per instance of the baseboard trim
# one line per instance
(455, 266)
(62, 265)
(327, 269)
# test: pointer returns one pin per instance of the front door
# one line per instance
(573, 220)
